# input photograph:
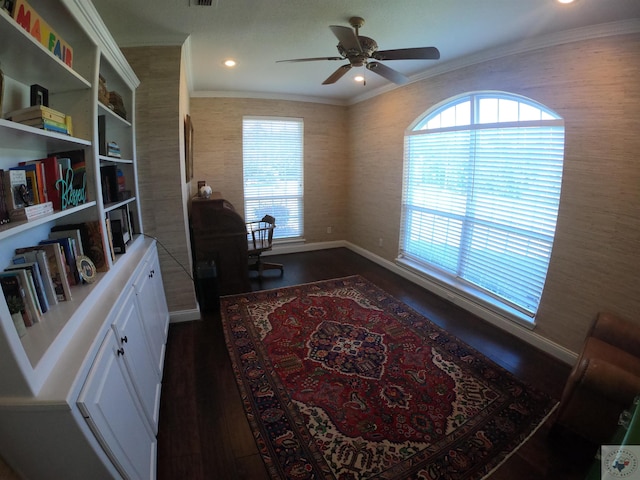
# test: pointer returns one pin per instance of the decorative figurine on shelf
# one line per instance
(205, 191)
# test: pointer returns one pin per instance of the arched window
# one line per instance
(481, 188)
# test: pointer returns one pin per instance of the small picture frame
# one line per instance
(39, 95)
(86, 269)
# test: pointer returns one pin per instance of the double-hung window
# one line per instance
(481, 189)
(272, 149)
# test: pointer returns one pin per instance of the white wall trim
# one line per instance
(266, 96)
(531, 337)
(184, 315)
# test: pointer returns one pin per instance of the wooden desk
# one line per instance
(218, 233)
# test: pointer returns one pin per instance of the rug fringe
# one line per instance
(533, 432)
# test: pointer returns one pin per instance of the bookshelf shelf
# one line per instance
(24, 137)
(45, 69)
(15, 228)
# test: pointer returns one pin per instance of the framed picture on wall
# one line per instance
(188, 148)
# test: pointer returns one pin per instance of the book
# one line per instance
(70, 260)
(39, 256)
(15, 296)
(4, 208)
(38, 122)
(40, 178)
(30, 298)
(15, 184)
(57, 268)
(112, 251)
(52, 173)
(109, 182)
(31, 182)
(102, 135)
(92, 242)
(35, 111)
(35, 281)
(46, 124)
(119, 245)
(32, 212)
(73, 233)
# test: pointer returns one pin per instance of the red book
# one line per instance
(52, 174)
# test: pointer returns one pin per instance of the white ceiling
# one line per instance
(258, 32)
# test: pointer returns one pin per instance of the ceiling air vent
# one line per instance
(202, 2)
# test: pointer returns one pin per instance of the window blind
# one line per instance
(273, 172)
(480, 205)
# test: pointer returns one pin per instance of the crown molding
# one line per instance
(602, 30)
(266, 96)
(188, 64)
(96, 29)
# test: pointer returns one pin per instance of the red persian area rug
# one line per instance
(341, 380)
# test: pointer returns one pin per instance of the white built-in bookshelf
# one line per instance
(49, 375)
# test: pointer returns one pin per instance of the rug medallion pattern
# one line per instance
(340, 380)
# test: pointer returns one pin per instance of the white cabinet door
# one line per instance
(153, 307)
(113, 411)
(131, 338)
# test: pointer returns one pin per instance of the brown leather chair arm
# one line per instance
(618, 332)
(609, 381)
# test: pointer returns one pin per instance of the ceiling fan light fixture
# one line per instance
(565, 2)
(359, 51)
(359, 78)
(230, 63)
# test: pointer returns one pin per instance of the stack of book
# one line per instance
(113, 150)
(41, 276)
(45, 118)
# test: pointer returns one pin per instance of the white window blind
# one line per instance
(481, 191)
(273, 171)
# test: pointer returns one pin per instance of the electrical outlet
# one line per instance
(329, 229)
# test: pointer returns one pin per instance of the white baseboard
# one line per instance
(184, 316)
(525, 334)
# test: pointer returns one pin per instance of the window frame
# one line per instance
(293, 199)
(451, 282)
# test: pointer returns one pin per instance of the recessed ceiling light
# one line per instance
(230, 63)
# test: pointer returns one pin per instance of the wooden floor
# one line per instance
(204, 434)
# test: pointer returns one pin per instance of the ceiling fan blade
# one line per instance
(337, 75)
(388, 73)
(347, 37)
(309, 59)
(424, 53)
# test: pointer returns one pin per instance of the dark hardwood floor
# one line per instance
(204, 434)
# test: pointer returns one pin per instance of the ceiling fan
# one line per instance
(363, 51)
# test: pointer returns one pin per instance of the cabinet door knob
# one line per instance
(124, 339)
(120, 351)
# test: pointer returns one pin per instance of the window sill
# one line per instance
(465, 295)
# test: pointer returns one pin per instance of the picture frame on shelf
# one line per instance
(39, 95)
(188, 148)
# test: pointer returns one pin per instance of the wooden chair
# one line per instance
(260, 239)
